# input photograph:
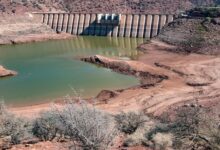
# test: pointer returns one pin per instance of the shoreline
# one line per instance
(31, 38)
(186, 82)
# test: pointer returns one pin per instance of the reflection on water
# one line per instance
(48, 70)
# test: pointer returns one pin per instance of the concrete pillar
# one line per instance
(75, 24)
(50, 20)
(134, 27)
(42, 18)
(148, 25)
(128, 26)
(141, 26)
(122, 25)
(109, 29)
(86, 25)
(170, 18)
(55, 20)
(92, 24)
(155, 25)
(81, 24)
(115, 31)
(70, 23)
(163, 19)
(97, 28)
(60, 23)
(65, 22)
(46, 19)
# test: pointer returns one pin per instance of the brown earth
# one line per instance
(102, 6)
(25, 28)
(190, 77)
(5, 73)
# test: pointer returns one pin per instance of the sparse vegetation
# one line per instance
(205, 12)
(129, 122)
(90, 129)
(86, 126)
(16, 129)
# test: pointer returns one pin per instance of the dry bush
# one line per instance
(192, 127)
(129, 122)
(196, 128)
(138, 137)
(91, 128)
(48, 126)
(162, 141)
(16, 129)
(88, 127)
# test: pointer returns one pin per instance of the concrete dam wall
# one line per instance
(129, 25)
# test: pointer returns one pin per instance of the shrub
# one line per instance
(91, 128)
(129, 122)
(162, 141)
(87, 127)
(195, 127)
(48, 126)
(11, 126)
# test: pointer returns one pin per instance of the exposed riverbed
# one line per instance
(51, 70)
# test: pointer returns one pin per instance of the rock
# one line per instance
(4, 72)
(31, 141)
(216, 21)
(105, 95)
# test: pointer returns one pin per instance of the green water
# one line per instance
(51, 70)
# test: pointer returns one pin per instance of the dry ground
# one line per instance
(26, 28)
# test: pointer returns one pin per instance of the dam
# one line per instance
(114, 25)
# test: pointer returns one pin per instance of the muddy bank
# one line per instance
(146, 74)
(5, 73)
(34, 38)
(189, 78)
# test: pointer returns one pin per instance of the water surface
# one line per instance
(50, 70)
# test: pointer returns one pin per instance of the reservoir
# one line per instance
(51, 70)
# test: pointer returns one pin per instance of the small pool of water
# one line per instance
(51, 70)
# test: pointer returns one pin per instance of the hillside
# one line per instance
(98, 6)
(195, 34)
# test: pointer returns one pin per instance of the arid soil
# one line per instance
(190, 77)
(24, 28)
(5, 73)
